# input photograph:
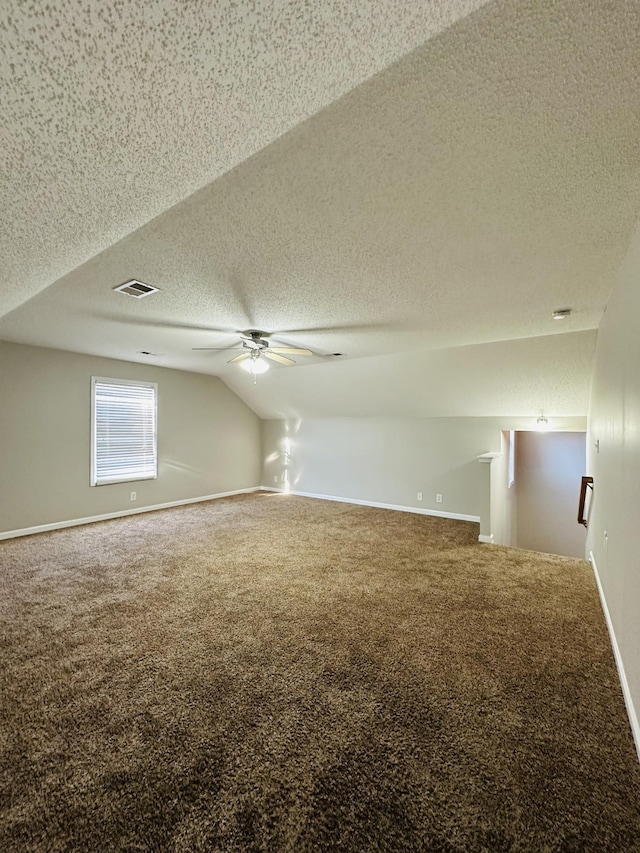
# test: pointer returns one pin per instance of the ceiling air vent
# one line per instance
(136, 288)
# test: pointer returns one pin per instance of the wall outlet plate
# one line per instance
(438, 499)
(419, 496)
(134, 496)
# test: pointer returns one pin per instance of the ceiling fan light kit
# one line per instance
(254, 364)
(256, 351)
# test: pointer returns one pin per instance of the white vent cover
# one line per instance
(136, 288)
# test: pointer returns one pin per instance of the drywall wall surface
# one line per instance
(208, 439)
(614, 424)
(386, 460)
(501, 495)
(549, 469)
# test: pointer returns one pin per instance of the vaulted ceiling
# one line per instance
(417, 186)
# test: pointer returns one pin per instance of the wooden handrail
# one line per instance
(586, 482)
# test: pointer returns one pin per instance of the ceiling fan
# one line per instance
(257, 352)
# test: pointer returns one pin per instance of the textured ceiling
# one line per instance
(449, 202)
(114, 112)
(484, 380)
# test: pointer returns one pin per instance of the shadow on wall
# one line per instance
(548, 472)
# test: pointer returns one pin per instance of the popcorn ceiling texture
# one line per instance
(452, 200)
(113, 112)
(506, 379)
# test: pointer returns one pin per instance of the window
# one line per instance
(123, 431)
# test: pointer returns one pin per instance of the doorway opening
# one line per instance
(548, 469)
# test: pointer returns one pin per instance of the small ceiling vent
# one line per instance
(136, 288)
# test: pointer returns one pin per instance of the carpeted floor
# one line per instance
(272, 673)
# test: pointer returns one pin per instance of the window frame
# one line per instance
(96, 380)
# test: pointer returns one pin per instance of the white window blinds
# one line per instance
(124, 444)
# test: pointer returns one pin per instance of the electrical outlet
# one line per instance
(419, 496)
(275, 478)
(438, 499)
(133, 496)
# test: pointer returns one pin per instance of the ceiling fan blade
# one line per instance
(279, 358)
(291, 350)
(238, 358)
(219, 349)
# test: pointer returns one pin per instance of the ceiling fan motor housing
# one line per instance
(255, 337)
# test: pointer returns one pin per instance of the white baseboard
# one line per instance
(398, 507)
(74, 522)
(628, 701)
(486, 537)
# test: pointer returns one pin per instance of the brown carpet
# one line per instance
(271, 673)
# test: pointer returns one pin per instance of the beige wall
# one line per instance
(390, 460)
(208, 439)
(386, 460)
(502, 496)
(614, 422)
(549, 469)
